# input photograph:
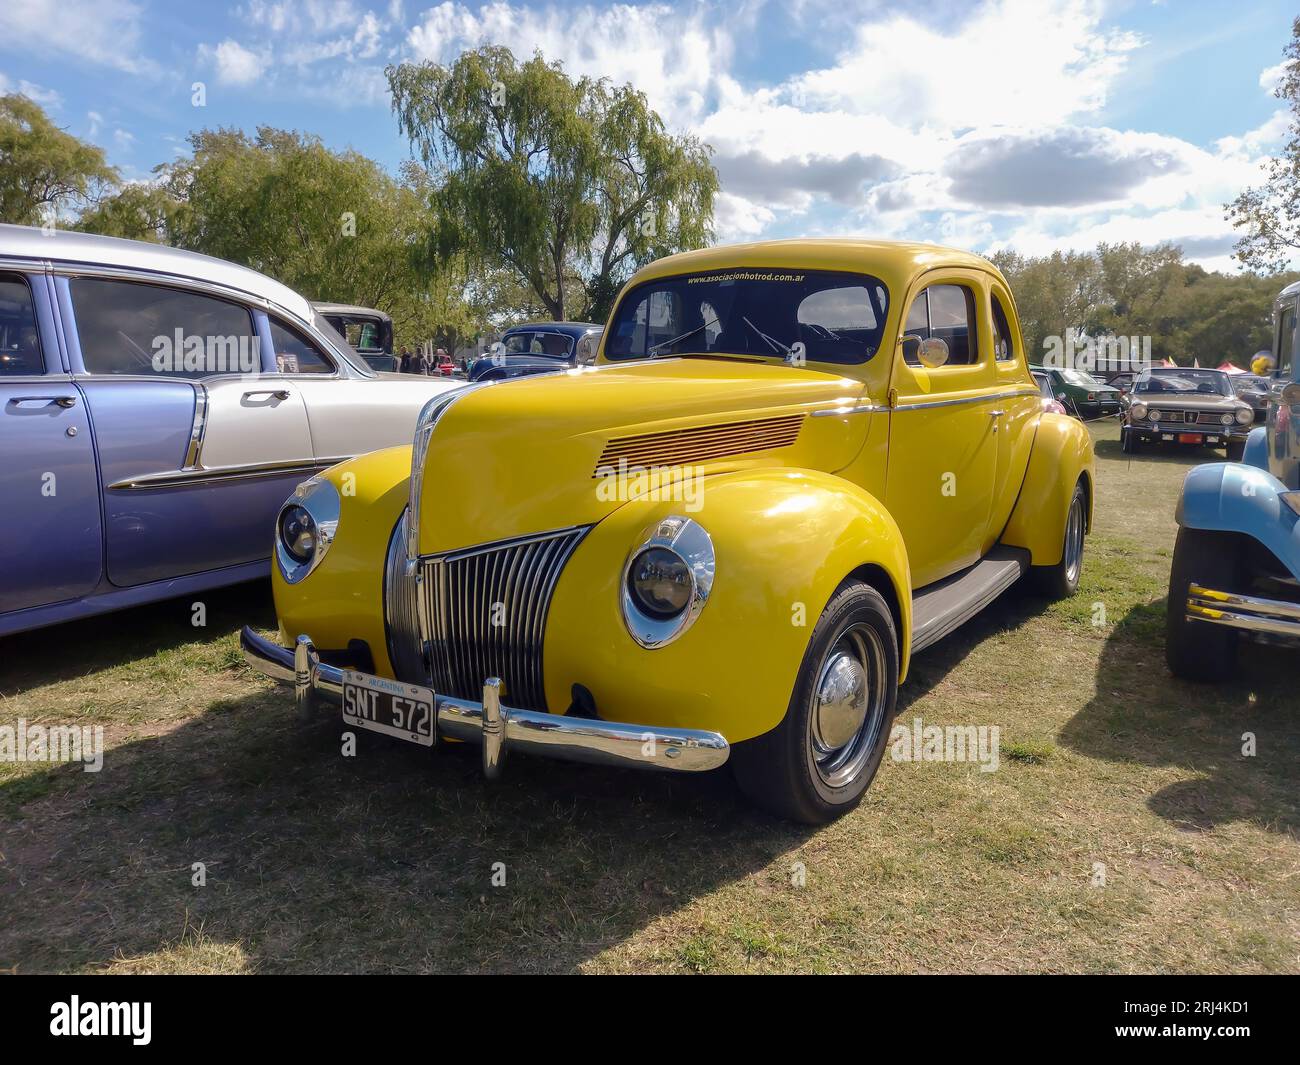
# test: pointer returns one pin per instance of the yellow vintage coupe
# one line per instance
(794, 465)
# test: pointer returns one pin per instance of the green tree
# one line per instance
(1269, 214)
(569, 185)
(331, 225)
(135, 211)
(43, 168)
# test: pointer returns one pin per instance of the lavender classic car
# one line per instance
(156, 408)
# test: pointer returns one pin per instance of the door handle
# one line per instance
(61, 401)
(278, 393)
(996, 413)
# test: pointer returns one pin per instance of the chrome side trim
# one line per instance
(1275, 617)
(406, 647)
(180, 478)
(194, 453)
(575, 739)
(932, 403)
(840, 412)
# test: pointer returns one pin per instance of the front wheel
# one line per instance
(817, 763)
(1196, 650)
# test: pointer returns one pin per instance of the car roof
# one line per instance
(899, 259)
(350, 309)
(64, 245)
(571, 328)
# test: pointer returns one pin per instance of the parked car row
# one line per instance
(156, 407)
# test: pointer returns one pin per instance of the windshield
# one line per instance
(822, 315)
(1205, 382)
(1080, 379)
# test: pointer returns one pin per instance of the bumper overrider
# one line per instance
(499, 728)
(1272, 617)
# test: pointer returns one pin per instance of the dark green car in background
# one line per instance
(1080, 393)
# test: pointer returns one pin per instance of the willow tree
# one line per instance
(44, 169)
(569, 185)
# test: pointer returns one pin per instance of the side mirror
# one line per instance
(933, 353)
(911, 345)
(1291, 394)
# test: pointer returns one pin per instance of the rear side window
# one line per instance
(946, 312)
(1286, 341)
(294, 353)
(1004, 346)
(127, 327)
(20, 343)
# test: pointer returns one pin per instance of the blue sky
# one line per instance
(1034, 124)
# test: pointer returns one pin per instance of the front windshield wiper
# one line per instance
(654, 349)
(775, 344)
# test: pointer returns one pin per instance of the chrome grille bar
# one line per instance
(487, 608)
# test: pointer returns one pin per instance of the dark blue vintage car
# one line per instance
(156, 408)
(542, 347)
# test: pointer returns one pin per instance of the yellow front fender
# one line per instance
(1062, 454)
(343, 598)
(783, 540)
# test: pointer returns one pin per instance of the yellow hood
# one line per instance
(541, 453)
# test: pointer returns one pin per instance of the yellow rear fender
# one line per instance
(1062, 454)
(783, 541)
(343, 598)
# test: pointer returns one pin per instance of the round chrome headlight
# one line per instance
(666, 581)
(1138, 410)
(1244, 416)
(1154, 415)
(305, 528)
(1226, 419)
(659, 581)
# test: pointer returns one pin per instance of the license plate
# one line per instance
(403, 711)
(1189, 438)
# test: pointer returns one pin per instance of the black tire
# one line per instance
(1236, 450)
(1062, 580)
(1193, 649)
(1129, 442)
(791, 771)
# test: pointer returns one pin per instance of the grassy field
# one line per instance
(1110, 770)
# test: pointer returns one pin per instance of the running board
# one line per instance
(941, 607)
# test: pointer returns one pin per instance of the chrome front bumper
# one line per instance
(499, 728)
(1274, 617)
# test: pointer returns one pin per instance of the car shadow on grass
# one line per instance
(1169, 454)
(76, 648)
(395, 860)
(1142, 714)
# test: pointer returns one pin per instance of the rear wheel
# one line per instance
(1062, 580)
(1196, 650)
(817, 763)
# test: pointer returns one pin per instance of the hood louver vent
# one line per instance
(704, 443)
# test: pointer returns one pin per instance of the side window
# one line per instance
(946, 312)
(294, 353)
(1286, 342)
(517, 343)
(129, 327)
(1004, 347)
(555, 343)
(20, 343)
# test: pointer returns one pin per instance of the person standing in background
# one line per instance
(423, 364)
(404, 363)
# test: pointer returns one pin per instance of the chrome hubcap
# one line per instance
(1074, 540)
(848, 705)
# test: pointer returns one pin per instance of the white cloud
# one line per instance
(47, 98)
(234, 64)
(672, 54)
(105, 32)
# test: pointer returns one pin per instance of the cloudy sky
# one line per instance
(1035, 124)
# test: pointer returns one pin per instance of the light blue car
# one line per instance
(1236, 562)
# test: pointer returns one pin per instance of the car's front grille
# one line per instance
(486, 609)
